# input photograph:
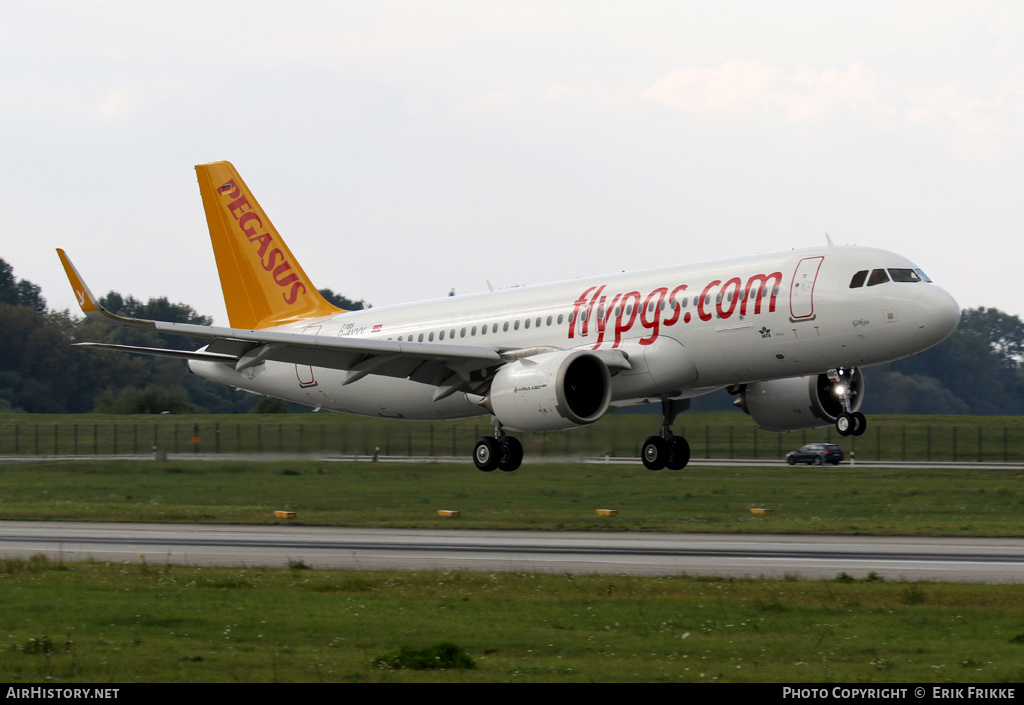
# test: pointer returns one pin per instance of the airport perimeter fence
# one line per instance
(978, 439)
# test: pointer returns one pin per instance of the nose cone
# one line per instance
(937, 314)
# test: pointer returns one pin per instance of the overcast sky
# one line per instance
(407, 148)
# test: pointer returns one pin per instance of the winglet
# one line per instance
(89, 304)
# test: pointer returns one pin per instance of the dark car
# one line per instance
(816, 454)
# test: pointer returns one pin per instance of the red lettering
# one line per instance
(621, 328)
(236, 207)
(730, 298)
(652, 325)
(292, 295)
(676, 308)
(243, 223)
(589, 311)
(603, 314)
(264, 241)
(704, 315)
(626, 308)
(281, 269)
(274, 255)
(576, 311)
(763, 288)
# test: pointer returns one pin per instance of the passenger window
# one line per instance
(858, 279)
(560, 319)
(878, 276)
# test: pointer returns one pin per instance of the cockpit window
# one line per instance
(878, 276)
(858, 279)
(904, 275)
(923, 275)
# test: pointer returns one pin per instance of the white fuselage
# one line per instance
(687, 330)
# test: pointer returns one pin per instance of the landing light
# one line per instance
(840, 390)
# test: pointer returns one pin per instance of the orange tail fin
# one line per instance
(262, 281)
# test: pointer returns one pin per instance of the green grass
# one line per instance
(546, 496)
(90, 622)
(711, 435)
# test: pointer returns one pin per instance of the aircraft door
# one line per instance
(304, 373)
(801, 292)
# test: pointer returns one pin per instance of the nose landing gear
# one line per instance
(848, 423)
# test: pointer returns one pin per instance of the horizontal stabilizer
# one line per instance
(163, 352)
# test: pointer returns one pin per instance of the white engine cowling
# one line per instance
(551, 392)
(799, 402)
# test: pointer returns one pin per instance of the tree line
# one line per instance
(978, 370)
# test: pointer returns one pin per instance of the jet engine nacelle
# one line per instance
(800, 402)
(550, 392)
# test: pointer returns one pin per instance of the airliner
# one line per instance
(787, 333)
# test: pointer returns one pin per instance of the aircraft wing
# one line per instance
(449, 367)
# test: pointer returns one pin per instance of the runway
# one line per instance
(777, 556)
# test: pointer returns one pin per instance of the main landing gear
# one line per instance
(499, 451)
(667, 450)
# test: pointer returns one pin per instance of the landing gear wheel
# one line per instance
(654, 453)
(845, 424)
(510, 457)
(486, 454)
(860, 424)
(678, 453)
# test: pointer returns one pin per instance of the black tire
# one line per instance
(654, 453)
(819, 461)
(486, 454)
(845, 424)
(511, 455)
(860, 423)
(791, 460)
(678, 453)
